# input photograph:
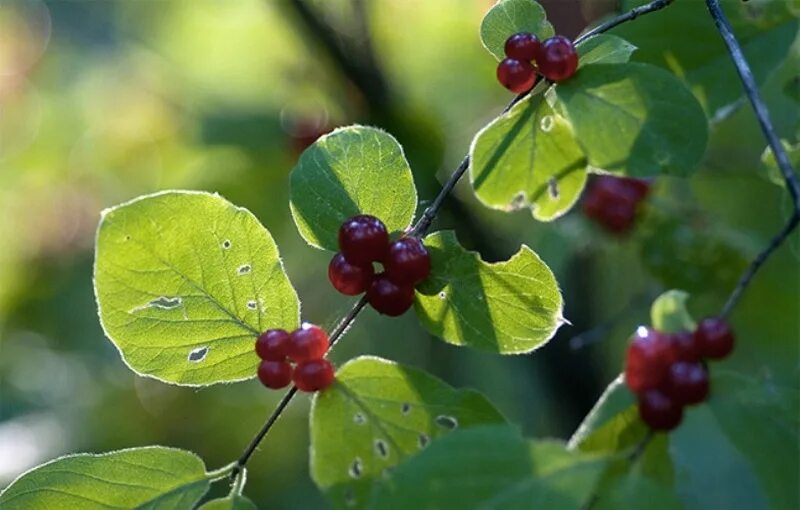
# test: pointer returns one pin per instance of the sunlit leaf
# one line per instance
(604, 49)
(509, 17)
(184, 282)
(375, 415)
(353, 170)
(771, 165)
(668, 312)
(506, 307)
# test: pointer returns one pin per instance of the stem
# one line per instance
(420, 228)
(762, 114)
(641, 447)
(220, 473)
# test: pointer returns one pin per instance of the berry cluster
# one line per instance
(668, 371)
(306, 347)
(363, 240)
(612, 201)
(556, 60)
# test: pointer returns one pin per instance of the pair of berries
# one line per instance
(556, 59)
(364, 240)
(667, 370)
(612, 201)
(305, 346)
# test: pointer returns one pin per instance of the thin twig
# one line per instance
(762, 114)
(420, 228)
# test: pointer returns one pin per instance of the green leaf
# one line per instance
(768, 160)
(509, 17)
(184, 282)
(633, 119)
(353, 170)
(636, 491)
(491, 468)
(765, 30)
(668, 312)
(377, 414)
(152, 477)
(507, 307)
(235, 502)
(528, 158)
(604, 49)
(760, 419)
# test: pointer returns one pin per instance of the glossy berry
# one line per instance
(272, 345)
(522, 46)
(389, 298)
(556, 58)
(647, 360)
(714, 338)
(612, 202)
(407, 261)
(313, 375)
(307, 342)
(687, 383)
(349, 279)
(363, 239)
(275, 374)
(659, 411)
(684, 347)
(518, 76)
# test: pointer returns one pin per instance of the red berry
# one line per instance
(275, 374)
(347, 278)
(647, 360)
(684, 347)
(687, 383)
(522, 46)
(640, 188)
(407, 261)
(516, 75)
(557, 59)
(363, 239)
(389, 298)
(714, 338)
(659, 411)
(272, 345)
(612, 201)
(307, 342)
(313, 375)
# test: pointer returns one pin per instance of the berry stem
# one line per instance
(762, 114)
(631, 15)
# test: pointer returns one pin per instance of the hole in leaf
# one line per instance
(252, 305)
(518, 202)
(198, 355)
(245, 269)
(359, 419)
(547, 123)
(443, 295)
(423, 440)
(382, 448)
(446, 422)
(356, 468)
(163, 302)
(552, 188)
(226, 244)
(406, 408)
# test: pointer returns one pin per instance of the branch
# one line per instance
(762, 114)
(423, 224)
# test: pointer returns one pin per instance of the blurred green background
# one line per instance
(103, 101)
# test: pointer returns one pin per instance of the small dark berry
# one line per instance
(684, 346)
(687, 383)
(389, 298)
(640, 188)
(407, 261)
(307, 342)
(363, 239)
(272, 345)
(714, 338)
(659, 411)
(522, 46)
(313, 375)
(518, 76)
(275, 374)
(612, 202)
(557, 59)
(347, 278)
(647, 360)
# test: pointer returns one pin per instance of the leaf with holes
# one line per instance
(353, 170)
(668, 312)
(235, 502)
(528, 158)
(376, 414)
(633, 119)
(152, 477)
(507, 307)
(185, 281)
(509, 17)
(491, 468)
(604, 49)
